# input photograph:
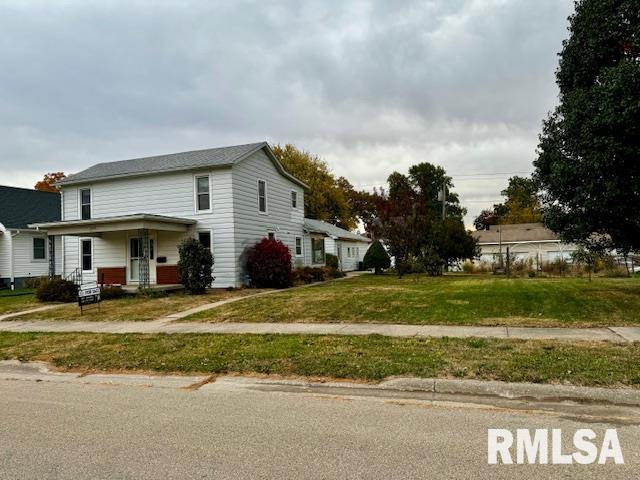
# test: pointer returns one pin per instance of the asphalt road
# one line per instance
(70, 430)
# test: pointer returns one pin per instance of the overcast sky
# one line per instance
(371, 87)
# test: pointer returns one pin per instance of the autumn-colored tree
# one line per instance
(47, 184)
(326, 198)
(521, 205)
(410, 220)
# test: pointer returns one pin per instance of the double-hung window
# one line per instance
(298, 246)
(294, 199)
(86, 254)
(203, 194)
(262, 196)
(85, 203)
(39, 250)
(205, 238)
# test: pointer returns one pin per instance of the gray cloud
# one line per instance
(370, 86)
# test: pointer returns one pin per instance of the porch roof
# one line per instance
(136, 221)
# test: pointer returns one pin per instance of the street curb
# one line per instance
(517, 391)
(41, 371)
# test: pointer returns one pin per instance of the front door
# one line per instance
(136, 257)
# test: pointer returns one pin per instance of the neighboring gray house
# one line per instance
(26, 252)
(122, 221)
(347, 246)
(524, 240)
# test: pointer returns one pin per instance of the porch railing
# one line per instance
(75, 276)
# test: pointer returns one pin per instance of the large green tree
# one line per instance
(411, 224)
(588, 164)
(521, 205)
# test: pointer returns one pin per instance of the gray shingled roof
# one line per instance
(21, 206)
(212, 157)
(518, 232)
(318, 226)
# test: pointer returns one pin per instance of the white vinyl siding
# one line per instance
(24, 264)
(250, 225)
(170, 194)
(5, 255)
(352, 253)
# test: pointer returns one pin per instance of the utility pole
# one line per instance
(443, 196)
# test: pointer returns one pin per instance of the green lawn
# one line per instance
(452, 300)
(16, 300)
(370, 358)
(135, 307)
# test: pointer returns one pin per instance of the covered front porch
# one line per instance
(133, 251)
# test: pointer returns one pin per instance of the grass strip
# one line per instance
(369, 358)
(449, 300)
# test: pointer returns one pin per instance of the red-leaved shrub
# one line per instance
(269, 264)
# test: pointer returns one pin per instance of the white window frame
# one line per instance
(33, 257)
(266, 196)
(195, 193)
(82, 240)
(294, 193)
(210, 232)
(295, 246)
(80, 190)
(324, 251)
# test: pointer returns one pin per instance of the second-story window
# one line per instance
(85, 203)
(294, 199)
(262, 196)
(203, 197)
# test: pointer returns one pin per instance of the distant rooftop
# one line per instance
(517, 232)
(21, 206)
(318, 226)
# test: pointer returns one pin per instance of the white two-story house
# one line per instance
(122, 221)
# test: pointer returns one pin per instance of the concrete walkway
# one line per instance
(612, 334)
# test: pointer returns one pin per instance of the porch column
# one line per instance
(52, 256)
(145, 280)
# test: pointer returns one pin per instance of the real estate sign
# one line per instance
(88, 294)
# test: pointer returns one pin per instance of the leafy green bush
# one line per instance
(57, 290)
(195, 265)
(332, 261)
(110, 293)
(376, 257)
(304, 275)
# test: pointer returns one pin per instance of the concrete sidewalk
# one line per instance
(611, 334)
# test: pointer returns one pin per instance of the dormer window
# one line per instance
(203, 195)
(85, 203)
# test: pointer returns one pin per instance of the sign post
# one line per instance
(88, 294)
